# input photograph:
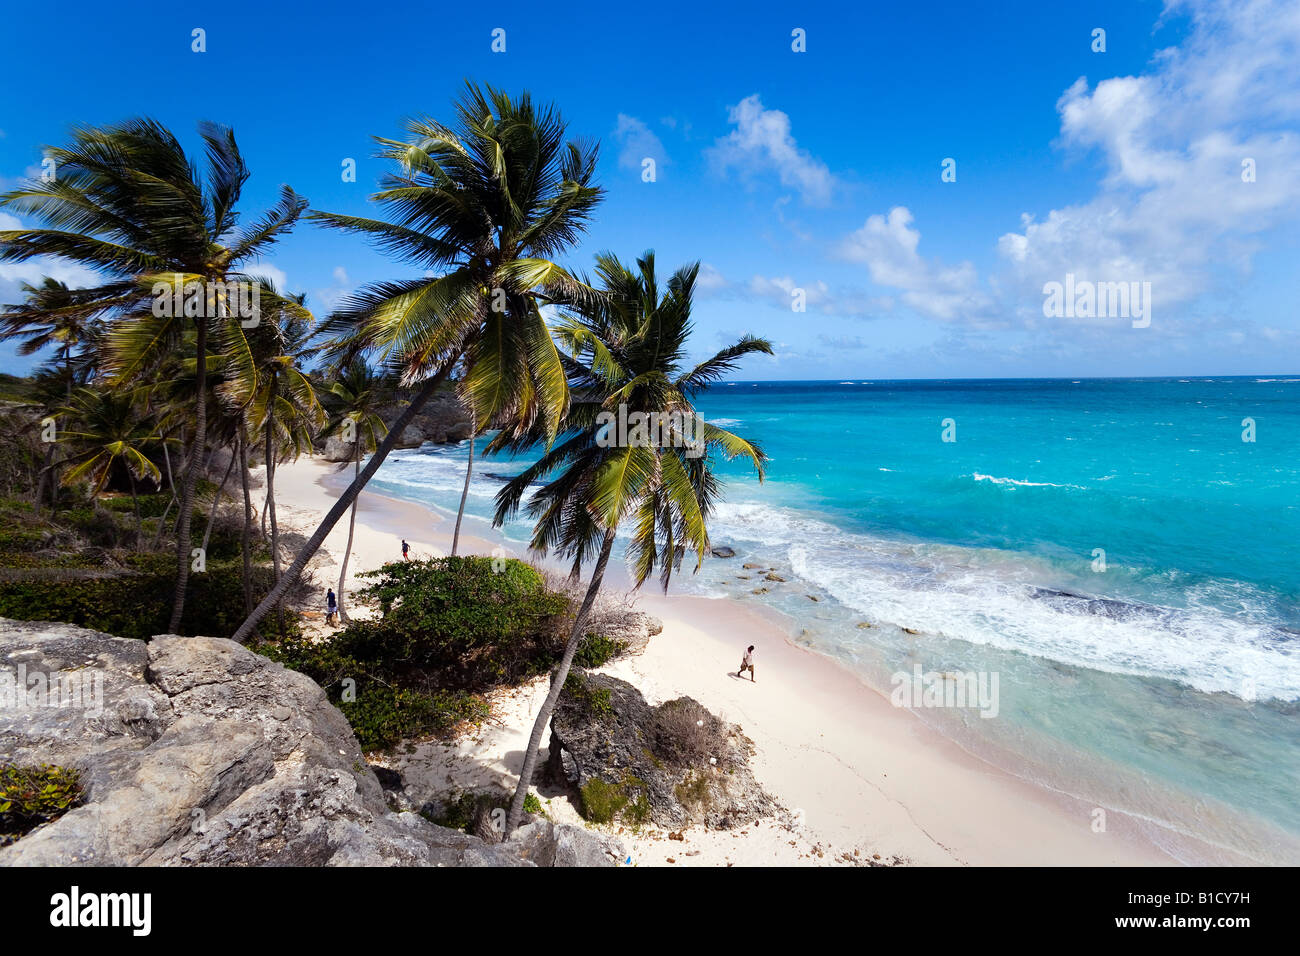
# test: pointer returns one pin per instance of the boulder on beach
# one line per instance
(673, 765)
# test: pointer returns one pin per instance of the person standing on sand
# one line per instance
(747, 664)
(406, 551)
(331, 606)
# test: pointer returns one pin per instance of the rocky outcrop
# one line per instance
(196, 751)
(674, 764)
(631, 628)
(444, 418)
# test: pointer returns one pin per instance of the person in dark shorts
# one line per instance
(747, 664)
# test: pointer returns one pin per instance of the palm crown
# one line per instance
(629, 350)
(481, 207)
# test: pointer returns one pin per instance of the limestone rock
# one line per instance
(196, 751)
(707, 780)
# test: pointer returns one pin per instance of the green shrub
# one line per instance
(596, 650)
(31, 796)
(450, 629)
(470, 623)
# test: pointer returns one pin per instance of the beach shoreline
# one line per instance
(864, 780)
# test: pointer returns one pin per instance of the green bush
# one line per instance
(32, 796)
(383, 716)
(468, 622)
(596, 650)
(449, 629)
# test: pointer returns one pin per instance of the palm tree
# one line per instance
(53, 315)
(354, 400)
(127, 201)
(264, 375)
(626, 358)
(107, 431)
(481, 207)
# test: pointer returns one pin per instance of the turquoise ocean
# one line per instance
(1112, 549)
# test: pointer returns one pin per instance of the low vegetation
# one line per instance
(86, 567)
(32, 796)
(446, 631)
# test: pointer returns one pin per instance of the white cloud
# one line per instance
(1173, 208)
(762, 142)
(638, 143)
(710, 281)
(264, 270)
(33, 271)
(887, 245)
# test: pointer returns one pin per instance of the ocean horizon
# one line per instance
(1115, 550)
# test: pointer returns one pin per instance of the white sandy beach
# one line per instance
(864, 781)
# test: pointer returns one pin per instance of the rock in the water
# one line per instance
(722, 551)
(196, 751)
(652, 763)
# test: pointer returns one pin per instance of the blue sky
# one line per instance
(783, 170)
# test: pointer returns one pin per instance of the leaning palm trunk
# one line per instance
(191, 477)
(246, 545)
(469, 471)
(558, 678)
(216, 501)
(352, 524)
(345, 501)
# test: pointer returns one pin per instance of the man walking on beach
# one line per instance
(747, 664)
(406, 550)
(331, 606)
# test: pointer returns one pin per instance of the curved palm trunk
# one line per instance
(270, 506)
(45, 476)
(352, 524)
(246, 545)
(191, 478)
(557, 686)
(212, 512)
(344, 502)
(469, 471)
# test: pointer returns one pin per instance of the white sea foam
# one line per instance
(990, 598)
(1014, 481)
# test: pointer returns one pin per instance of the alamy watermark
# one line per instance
(21, 689)
(946, 689)
(1083, 299)
(625, 429)
(208, 299)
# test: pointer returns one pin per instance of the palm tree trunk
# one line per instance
(352, 524)
(45, 476)
(469, 470)
(344, 502)
(246, 545)
(270, 503)
(162, 522)
(558, 678)
(216, 501)
(191, 476)
(135, 503)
